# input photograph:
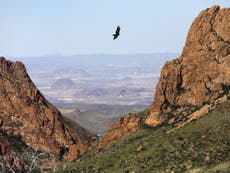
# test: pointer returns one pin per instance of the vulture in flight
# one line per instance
(117, 33)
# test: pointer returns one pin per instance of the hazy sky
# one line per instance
(41, 27)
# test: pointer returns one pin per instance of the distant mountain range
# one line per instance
(106, 79)
(94, 60)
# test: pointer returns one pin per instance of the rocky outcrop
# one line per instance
(193, 84)
(200, 112)
(201, 74)
(126, 124)
(24, 112)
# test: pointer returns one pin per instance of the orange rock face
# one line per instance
(119, 128)
(28, 114)
(202, 73)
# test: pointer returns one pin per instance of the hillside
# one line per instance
(201, 146)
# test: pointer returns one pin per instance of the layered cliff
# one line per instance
(193, 84)
(25, 113)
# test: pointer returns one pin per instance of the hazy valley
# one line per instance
(94, 90)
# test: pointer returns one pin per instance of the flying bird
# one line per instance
(117, 33)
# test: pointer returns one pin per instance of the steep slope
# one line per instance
(24, 112)
(193, 84)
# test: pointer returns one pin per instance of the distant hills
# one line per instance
(94, 79)
(63, 84)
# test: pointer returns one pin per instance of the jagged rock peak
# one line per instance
(25, 112)
(201, 74)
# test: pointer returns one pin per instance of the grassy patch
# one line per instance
(201, 146)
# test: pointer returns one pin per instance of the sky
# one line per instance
(68, 27)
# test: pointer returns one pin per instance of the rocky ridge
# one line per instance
(201, 74)
(25, 113)
(193, 84)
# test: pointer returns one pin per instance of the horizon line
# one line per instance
(92, 54)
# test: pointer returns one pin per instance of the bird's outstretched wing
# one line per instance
(118, 30)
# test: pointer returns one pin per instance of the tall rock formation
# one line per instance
(202, 73)
(193, 84)
(25, 113)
